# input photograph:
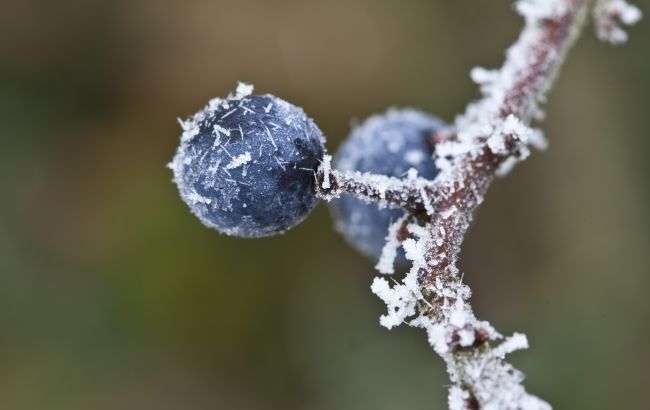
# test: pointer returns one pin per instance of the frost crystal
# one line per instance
(239, 160)
(402, 298)
(326, 169)
(537, 10)
(386, 262)
(515, 342)
(610, 15)
(244, 90)
(458, 398)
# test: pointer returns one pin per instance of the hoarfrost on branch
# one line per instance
(487, 140)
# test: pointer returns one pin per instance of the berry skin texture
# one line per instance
(388, 144)
(245, 165)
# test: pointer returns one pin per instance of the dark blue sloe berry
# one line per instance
(388, 144)
(246, 164)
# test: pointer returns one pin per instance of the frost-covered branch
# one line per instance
(493, 131)
(491, 136)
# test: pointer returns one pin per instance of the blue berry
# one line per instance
(246, 164)
(388, 144)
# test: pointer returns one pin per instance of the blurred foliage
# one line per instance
(113, 296)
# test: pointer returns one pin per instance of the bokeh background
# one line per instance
(113, 296)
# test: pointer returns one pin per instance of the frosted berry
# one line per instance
(388, 144)
(245, 164)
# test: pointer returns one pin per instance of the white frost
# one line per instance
(218, 130)
(401, 300)
(326, 169)
(610, 15)
(190, 130)
(239, 160)
(537, 10)
(386, 263)
(457, 399)
(242, 90)
(513, 343)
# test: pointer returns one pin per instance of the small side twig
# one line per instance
(406, 193)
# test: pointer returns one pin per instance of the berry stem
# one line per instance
(406, 193)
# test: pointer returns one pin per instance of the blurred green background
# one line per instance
(112, 295)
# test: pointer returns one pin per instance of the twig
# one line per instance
(407, 193)
(486, 141)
